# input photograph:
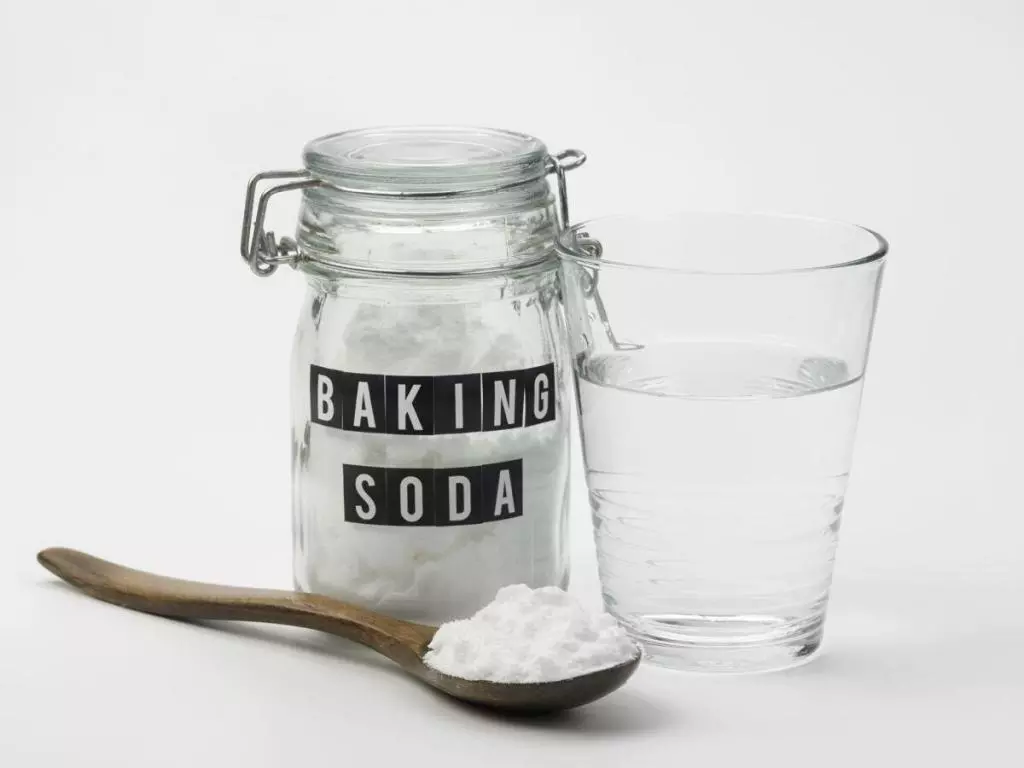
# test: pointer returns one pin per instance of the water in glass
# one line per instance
(717, 471)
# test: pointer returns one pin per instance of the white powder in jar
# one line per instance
(530, 636)
(427, 574)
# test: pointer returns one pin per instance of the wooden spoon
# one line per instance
(404, 642)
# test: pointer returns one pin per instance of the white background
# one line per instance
(143, 370)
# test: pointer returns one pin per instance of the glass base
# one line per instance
(734, 644)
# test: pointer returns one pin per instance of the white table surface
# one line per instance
(143, 371)
(917, 669)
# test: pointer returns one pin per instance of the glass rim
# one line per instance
(566, 248)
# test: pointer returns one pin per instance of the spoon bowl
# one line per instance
(404, 642)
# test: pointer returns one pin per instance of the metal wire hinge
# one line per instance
(260, 249)
(559, 164)
(264, 253)
(592, 246)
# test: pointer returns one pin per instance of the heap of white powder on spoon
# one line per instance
(530, 636)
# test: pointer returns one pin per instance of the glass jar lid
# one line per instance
(426, 160)
(398, 180)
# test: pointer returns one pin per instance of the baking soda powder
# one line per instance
(530, 636)
(421, 494)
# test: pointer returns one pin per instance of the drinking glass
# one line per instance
(719, 362)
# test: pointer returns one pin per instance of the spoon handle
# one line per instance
(403, 641)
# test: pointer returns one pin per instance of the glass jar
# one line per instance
(430, 433)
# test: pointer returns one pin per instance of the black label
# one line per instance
(433, 497)
(538, 394)
(432, 405)
(503, 400)
(456, 404)
(325, 396)
(366, 496)
(409, 403)
(458, 495)
(362, 403)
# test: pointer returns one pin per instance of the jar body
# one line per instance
(430, 438)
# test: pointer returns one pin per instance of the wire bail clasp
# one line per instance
(593, 248)
(558, 164)
(260, 250)
(264, 253)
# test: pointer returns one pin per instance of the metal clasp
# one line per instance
(593, 247)
(558, 164)
(264, 254)
(260, 250)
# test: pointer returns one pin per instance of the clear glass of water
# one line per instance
(719, 363)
